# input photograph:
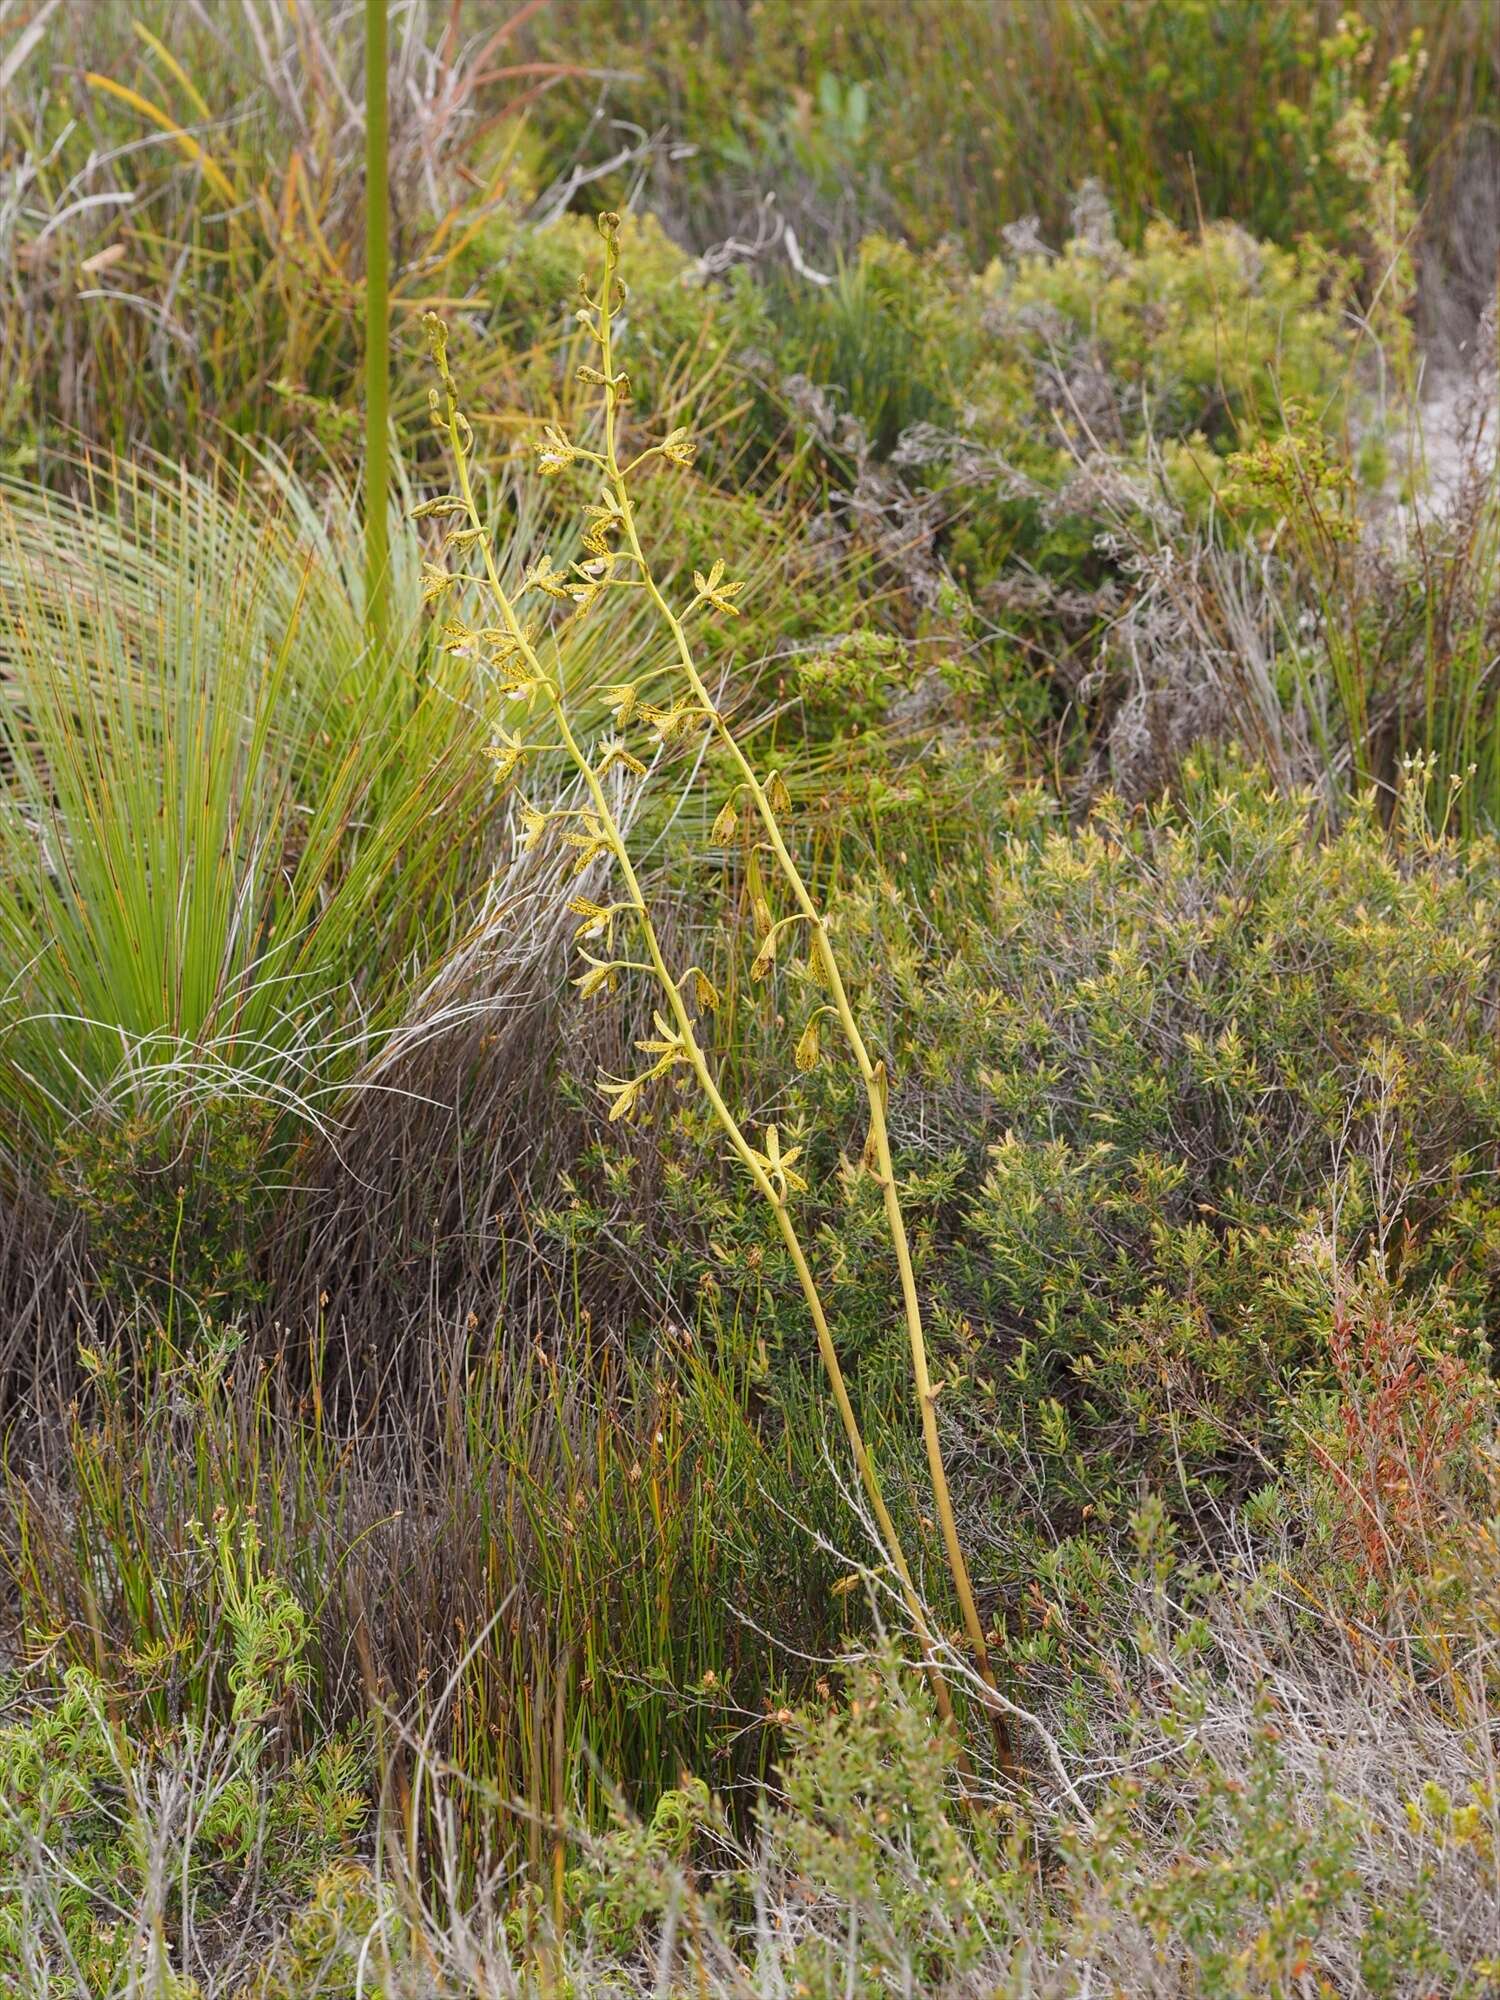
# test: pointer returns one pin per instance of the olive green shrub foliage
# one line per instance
(155, 1816)
(1212, 1052)
(171, 1212)
(351, 1938)
(940, 120)
(999, 457)
(1170, 1070)
(1203, 334)
(1014, 391)
(864, 1820)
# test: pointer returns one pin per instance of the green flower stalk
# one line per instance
(614, 558)
(377, 326)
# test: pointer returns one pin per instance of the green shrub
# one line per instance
(171, 1208)
(1169, 1071)
(349, 1941)
(940, 119)
(1207, 336)
(999, 460)
(155, 1825)
(863, 1821)
(1212, 1050)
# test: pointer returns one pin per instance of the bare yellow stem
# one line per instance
(683, 1022)
(871, 1075)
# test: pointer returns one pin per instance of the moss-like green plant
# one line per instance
(679, 705)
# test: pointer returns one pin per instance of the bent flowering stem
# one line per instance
(595, 831)
(770, 801)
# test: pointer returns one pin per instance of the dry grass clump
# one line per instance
(183, 221)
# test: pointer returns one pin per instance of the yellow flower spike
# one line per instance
(775, 1173)
(436, 329)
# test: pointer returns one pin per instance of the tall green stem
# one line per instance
(377, 327)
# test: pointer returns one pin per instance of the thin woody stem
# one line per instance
(698, 1061)
(872, 1075)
